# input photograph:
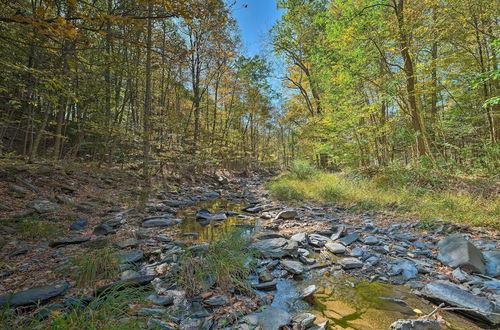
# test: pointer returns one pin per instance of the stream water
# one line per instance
(348, 303)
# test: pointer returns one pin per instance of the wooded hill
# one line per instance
(152, 82)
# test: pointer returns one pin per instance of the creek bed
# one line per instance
(346, 302)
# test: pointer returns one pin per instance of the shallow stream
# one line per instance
(348, 303)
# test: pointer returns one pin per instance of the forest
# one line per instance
(257, 164)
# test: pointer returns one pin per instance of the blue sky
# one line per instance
(255, 18)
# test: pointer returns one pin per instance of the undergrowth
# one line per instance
(426, 196)
(34, 227)
(227, 263)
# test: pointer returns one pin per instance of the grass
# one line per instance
(430, 201)
(112, 309)
(228, 262)
(34, 227)
(94, 265)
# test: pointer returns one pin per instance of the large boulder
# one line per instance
(276, 247)
(456, 251)
(272, 318)
(474, 306)
(34, 296)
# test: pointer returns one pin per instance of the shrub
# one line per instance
(303, 170)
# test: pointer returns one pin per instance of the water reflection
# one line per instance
(350, 303)
(215, 229)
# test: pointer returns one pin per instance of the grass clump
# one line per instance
(94, 265)
(33, 227)
(227, 263)
(303, 170)
(429, 201)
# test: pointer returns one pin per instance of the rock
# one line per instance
(205, 214)
(266, 286)
(357, 252)
(34, 296)
(456, 251)
(318, 240)
(151, 311)
(459, 275)
(308, 291)
(267, 235)
(349, 239)
(130, 256)
(265, 276)
(18, 189)
(199, 249)
(97, 243)
(304, 320)
(272, 318)
(252, 208)
(191, 324)
(128, 242)
(43, 206)
(79, 224)
(22, 250)
(216, 301)
(129, 274)
(350, 263)
(339, 231)
(371, 240)
(300, 238)
(320, 326)
(276, 247)
(492, 263)
(160, 223)
(69, 240)
(294, 267)
(406, 268)
(415, 325)
(451, 294)
(287, 215)
(335, 248)
(161, 300)
(103, 229)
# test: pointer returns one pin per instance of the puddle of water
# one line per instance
(358, 304)
(214, 229)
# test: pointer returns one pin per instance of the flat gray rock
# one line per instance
(350, 263)
(272, 318)
(335, 248)
(456, 251)
(68, 241)
(160, 223)
(130, 256)
(318, 240)
(34, 296)
(480, 308)
(294, 267)
(43, 206)
(276, 247)
(349, 239)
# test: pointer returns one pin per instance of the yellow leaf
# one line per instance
(418, 311)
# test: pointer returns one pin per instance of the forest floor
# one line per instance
(98, 241)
